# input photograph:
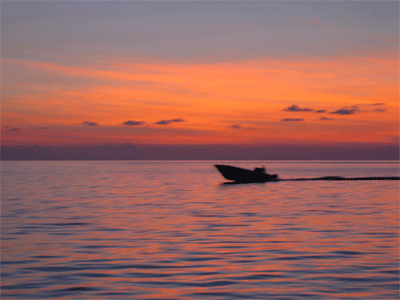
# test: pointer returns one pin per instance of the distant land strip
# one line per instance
(128, 151)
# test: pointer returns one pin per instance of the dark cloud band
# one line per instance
(346, 110)
(133, 123)
(292, 120)
(90, 123)
(166, 122)
(295, 107)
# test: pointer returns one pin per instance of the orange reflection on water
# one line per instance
(152, 230)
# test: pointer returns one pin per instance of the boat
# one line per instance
(240, 175)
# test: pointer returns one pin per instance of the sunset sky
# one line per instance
(291, 72)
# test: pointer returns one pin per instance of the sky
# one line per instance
(199, 73)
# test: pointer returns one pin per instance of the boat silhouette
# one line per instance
(240, 175)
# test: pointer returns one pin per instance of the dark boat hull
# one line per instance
(239, 175)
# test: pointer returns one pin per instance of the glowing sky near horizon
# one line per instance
(199, 72)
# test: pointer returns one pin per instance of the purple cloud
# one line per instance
(163, 122)
(13, 129)
(236, 126)
(133, 123)
(295, 107)
(326, 119)
(320, 111)
(379, 109)
(291, 119)
(90, 123)
(346, 110)
(166, 122)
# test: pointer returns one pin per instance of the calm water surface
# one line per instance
(170, 230)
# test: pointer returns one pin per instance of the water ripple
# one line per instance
(163, 230)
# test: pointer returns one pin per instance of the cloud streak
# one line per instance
(379, 109)
(133, 123)
(292, 120)
(90, 123)
(166, 122)
(346, 110)
(295, 107)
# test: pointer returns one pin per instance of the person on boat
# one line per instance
(261, 170)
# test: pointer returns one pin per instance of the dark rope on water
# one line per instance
(333, 178)
(342, 178)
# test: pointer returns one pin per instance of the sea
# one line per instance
(174, 230)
